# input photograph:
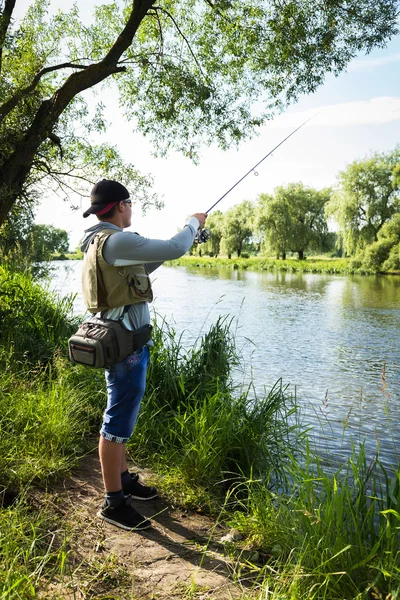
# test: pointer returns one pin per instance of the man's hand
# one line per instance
(201, 217)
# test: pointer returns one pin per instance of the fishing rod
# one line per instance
(203, 235)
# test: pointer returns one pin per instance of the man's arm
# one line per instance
(131, 248)
(151, 267)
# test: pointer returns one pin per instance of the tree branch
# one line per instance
(8, 106)
(157, 16)
(124, 40)
(5, 20)
(159, 8)
(16, 168)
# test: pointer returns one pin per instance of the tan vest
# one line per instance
(105, 286)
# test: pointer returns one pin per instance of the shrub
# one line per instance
(33, 321)
(392, 263)
(375, 254)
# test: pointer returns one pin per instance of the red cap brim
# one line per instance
(105, 210)
(92, 210)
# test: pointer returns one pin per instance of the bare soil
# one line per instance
(180, 557)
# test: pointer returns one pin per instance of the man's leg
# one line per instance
(126, 382)
(112, 457)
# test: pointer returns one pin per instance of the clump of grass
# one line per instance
(193, 421)
(34, 323)
(44, 423)
(31, 547)
(331, 535)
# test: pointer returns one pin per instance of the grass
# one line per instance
(309, 533)
(30, 546)
(192, 422)
(332, 535)
(258, 263)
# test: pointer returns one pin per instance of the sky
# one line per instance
(352, 115)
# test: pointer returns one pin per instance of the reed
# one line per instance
(194, 423)
(332, 534)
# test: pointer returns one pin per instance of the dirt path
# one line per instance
(180, 557)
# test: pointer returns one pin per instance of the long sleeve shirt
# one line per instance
(128, 248)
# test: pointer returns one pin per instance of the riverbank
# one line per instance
(323, 264)
(211, 449)
(332, 266)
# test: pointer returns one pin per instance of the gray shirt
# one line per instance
(128, 248)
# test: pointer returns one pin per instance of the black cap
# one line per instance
(104, 195)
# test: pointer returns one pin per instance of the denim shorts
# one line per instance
(126, 383)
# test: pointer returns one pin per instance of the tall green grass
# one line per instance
(34, 323)
(332, 535)
(32, 547)
(49, 410)
(201, 431)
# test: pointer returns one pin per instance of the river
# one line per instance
(333, 339)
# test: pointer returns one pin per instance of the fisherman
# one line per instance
(120, 252)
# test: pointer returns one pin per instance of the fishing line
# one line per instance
(253, 169)
(203, 235)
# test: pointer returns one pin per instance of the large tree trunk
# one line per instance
(16, 168)
(301, 254)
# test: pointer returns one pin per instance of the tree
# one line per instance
(237, 228)
(292, 219)
(14, 233)
(214, 224)
(366, 197)
(384, 254)
(188, 71)
(47, 240)
(273, 225)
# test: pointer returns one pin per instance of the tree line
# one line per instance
(363, 209)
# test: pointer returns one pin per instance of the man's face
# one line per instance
(127, 214)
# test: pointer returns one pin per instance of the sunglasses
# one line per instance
(127, 202)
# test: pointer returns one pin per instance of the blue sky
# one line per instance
(358, 113)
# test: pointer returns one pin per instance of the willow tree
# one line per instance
(292, 219)
(366, 197)
(188, 72)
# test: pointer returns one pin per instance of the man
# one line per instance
(115, 274)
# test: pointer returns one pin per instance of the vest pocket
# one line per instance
(139, 285)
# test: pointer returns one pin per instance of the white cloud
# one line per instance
(375, 111)
(368, 64)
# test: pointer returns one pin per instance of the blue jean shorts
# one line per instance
(126, 384)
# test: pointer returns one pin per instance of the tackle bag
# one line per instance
(103, 343)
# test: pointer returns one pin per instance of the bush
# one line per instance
(34, 323)
(393, 261)
(375, 254)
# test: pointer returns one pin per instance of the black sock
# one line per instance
(126, 478)
(114, 499)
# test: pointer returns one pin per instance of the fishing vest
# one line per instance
(106, 286)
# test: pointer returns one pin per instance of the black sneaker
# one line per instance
(138, 491)
(124, 516)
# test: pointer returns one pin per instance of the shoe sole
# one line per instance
(139, 527)
(141, 497)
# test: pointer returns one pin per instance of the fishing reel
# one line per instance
(202, 236)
